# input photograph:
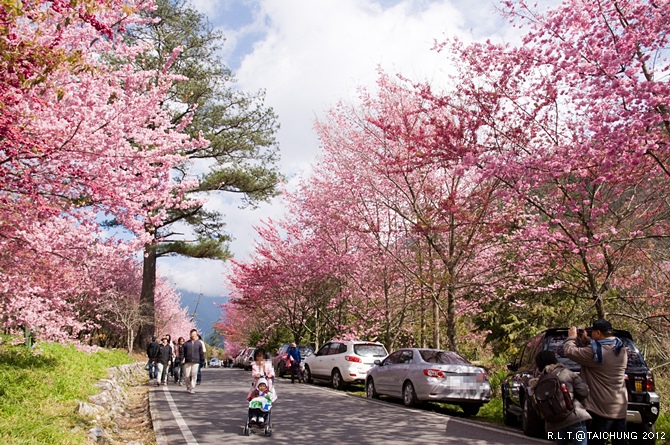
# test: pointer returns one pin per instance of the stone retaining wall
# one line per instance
(107, 409)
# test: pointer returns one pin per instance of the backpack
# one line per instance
(552, 399)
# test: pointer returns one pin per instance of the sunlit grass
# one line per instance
(40, 390)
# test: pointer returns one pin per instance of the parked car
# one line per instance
(278, 360)
(643, 401)
(342, 362)
(247, 359)
(418, 375)
(214, 363)
(238, 361)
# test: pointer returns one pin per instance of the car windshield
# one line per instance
(305, 351)
(371, 350)
(443, 357)
(555, 343)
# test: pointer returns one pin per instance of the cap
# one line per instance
(602, 325)
(261, 380)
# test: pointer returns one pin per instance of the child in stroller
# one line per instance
(260, 405)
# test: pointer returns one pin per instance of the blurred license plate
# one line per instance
(638, 386)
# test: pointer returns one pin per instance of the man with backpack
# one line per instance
(603, 367)
(557, 396)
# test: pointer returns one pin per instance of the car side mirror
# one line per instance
(512, 366)
(378, 362)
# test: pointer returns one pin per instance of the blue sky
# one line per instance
(309, 54)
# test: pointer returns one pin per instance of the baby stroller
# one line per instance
(260, 408)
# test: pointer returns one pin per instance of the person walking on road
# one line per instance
(152, 355)
(164, 360)
(295, 359)
(194, 354)
(178, 364)
(571, 429)
(203, 363)
(603, 367)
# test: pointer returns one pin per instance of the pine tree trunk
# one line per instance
(147, 297)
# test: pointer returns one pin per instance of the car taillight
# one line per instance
(433, 373)
(651, 387)
(482, 377)
(352, 358)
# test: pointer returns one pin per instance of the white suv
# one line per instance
(343, 362)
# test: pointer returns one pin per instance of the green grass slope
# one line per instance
(40, 390)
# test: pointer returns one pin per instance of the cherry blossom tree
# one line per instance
(79, 136)
(573, 122)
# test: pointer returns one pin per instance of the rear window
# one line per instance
(370, 350)
(443, 357)
(555, 343)
(305, 351)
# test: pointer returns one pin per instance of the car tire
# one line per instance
(370, 390)
(409, 395)
(531, 423)
(308, 375)
(336, 379)
(508, 418)
(646, 433)
(470, 409)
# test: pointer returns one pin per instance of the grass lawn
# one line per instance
(40, 390)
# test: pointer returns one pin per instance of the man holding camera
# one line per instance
(603, 368)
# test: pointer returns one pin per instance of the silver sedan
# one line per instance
(416, 375)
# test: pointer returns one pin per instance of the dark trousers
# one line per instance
(601, 429)
(152, 369)
(177, 372)
(295, 370)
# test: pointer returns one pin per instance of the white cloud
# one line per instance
(310, 54)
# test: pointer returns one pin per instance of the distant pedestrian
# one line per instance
(203, 363)
(152, 355)
(173, 346)
(603, 367)
(164, 360)
(178, 363)
(295, 359)
(194, 354)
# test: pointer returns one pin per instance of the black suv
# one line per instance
(643, 402)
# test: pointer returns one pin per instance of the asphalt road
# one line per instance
(305, 414)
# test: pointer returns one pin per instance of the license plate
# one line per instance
(638, 386)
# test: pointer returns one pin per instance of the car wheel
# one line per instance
(646, 433)
(336, 379)
(531, 423)
(308, 375)
(370, 391)
(470, 409)
(409, 395)
(508, 418)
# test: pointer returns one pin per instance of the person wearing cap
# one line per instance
(294, 357)
(603, 368)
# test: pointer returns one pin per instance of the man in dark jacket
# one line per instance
(194, 354)
(164, 360)
(152, 354)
